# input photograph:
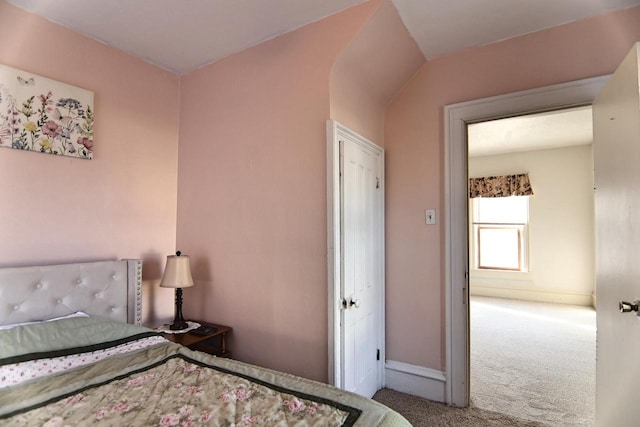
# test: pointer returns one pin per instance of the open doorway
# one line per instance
(531, 266)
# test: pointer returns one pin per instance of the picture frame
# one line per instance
(45, 115)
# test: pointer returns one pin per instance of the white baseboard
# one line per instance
(415, 380)
(532, 295)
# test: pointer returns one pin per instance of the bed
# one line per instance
(72, 352)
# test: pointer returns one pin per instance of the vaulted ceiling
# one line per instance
(182, 35)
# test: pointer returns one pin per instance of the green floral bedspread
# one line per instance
(169, 385)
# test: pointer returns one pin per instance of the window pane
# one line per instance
(499, 248)
(502, 210)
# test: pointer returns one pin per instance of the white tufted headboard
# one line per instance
(109, 289)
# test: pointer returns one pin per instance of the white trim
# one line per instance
(416, 380)
(333, 251)
(457, 116)
(336, 132)
(541, 295)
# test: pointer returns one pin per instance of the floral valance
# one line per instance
(500, 186)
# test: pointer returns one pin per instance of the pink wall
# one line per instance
(414, 142)
(371, 70)
(252, 191)
(251, 187)
(121, 204)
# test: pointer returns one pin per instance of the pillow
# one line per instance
(68, 316)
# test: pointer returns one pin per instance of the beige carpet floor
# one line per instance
(425, 413)
(532, 365)
(535, 361)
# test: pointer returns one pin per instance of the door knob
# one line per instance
(626, 307)
(346, 303)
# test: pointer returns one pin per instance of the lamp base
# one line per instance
(178, 322)
(178, 325)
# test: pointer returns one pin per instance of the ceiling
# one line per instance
(182, 35)
(540, 131)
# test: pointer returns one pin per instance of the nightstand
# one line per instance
(214, 343)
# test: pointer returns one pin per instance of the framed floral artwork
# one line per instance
(44, 115)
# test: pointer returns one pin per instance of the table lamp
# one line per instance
(177, 274)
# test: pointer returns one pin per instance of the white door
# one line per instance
(362, 267)
(616, 132)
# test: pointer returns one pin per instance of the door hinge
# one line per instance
(378, 355)
(377, 182)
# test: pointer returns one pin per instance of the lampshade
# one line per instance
(177, 272)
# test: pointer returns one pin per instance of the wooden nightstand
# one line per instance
(214, 343)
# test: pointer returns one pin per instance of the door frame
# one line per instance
(457, 116)
(335, 133)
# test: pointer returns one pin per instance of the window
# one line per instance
(500, 233)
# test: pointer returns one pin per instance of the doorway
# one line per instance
(457, 117)
(355, 240)
(531, 259)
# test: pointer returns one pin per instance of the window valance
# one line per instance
(500, 186)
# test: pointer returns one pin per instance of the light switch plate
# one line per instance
(430, 216)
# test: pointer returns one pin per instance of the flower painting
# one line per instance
(44, 115)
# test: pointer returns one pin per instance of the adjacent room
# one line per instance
(219, 130)
(532, 257)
